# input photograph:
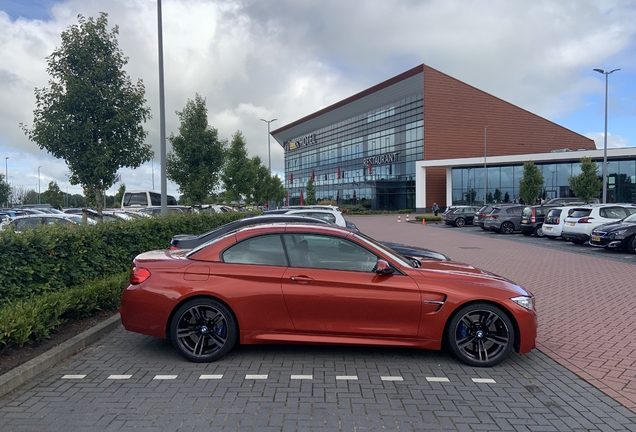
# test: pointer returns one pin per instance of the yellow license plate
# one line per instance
(596, 239)
(545, 228)
(524, 220)
(571, 223)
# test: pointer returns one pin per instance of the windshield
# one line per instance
(630, 218)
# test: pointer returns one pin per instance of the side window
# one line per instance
(324, 216)
(264, 250)
(326, 252)
(137, 199)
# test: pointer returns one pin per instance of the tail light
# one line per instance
(533, 217)
(558, 222)
(585, 220)
(138, 275)
(495, 216)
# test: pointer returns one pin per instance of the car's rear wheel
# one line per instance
(538, 231)
(480, 334)
(551, 237)
(526, 232)
(203, 330)
(507, 228)
(460, 222)
(484, 228)
(577, 241)
(631, 244)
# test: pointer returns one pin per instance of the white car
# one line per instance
(330, 215)
(555, 220)
(579, 225)
(20, 223)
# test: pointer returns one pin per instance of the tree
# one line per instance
(587, 184)
(239, 175)
(91, 115)
(5, 190)
(497, 195)
(531, 183)
(507, 197)
(53, 196)
(261, 187)
(197, 155)
(311, 193)
(119, 195)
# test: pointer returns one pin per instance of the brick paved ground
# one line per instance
(587, 304)
(128, 381)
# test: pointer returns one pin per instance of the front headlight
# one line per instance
(620, 234)
(524, 301)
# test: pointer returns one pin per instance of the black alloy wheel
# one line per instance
(480, 335)
(460, 222)
(631, 244)
(203, 330)
(538, 231)
(507, 228)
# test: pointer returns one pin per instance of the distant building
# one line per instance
(424, 137)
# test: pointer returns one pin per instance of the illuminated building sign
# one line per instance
(305, 141)
(381, 159)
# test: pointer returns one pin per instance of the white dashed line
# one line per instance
(346, 377)
(205, 377)
(256, 377)
(165, 377)
(484, 380)
(119, 377)
(302, 377)
(392, 378)
(437, 379)
(73, 376)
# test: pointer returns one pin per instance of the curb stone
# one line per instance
(34, 367)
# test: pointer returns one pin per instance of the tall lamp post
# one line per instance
(605, 134)
(39, 184)
(269, 154)
(6, 171)
(485, 170)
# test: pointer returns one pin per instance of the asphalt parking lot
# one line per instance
(128, 381)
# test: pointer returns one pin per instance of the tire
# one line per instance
(480, 334)
(485, 229)
(538, 231)
(460, 222)
(507, 228)
(577, 241)
(550, 237)
(631, 244)
(203, 330)
(526, 233)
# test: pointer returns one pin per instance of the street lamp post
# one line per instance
(269, 154)
(605, 134)
(485, 170)
(39, 184)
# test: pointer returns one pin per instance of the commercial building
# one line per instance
(423, 137)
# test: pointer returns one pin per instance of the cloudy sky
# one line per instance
(284, 59)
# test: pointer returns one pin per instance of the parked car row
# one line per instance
(611, 226)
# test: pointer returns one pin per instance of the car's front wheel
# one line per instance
(203, 330)
(507, 228)
(480, 335)
(631, 244)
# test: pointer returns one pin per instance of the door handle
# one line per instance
(302, 279)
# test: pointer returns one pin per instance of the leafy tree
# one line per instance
(197, 155)
(497, 195)
(587, 184)
(53, 196)
(91, 115)
(5, 190)
(261, 188)
(531, 183)
(239, 175)
(276, 189)
(311, 193)
(489, 197)
(119, 195)
(507, 197)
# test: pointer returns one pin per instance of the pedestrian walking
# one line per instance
(435, 208)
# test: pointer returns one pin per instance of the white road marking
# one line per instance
(392, 378)
(73, 376)
(256, 377)
(302, 377)
(484, 380)
(217, 376)
(437, 379)
(346, 377)
(119, 377)
(165, 377)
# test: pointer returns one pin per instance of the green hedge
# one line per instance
(54, 258)
(34, 318)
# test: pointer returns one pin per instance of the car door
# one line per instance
(336, 292)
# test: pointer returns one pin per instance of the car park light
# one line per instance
(524, 301)
(138, 275)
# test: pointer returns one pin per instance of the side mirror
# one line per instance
(383, 267)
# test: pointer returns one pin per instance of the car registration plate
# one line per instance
(596, 239)
(524, 220)
(571, 223)
(545, 228)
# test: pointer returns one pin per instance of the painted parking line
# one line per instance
(119, 377)
(214, 376)
(302, 377)
(346, 377)
(484, 380)
(391, 378)
(73, 376)
(165, 377)
(437, 379)
(256, 377)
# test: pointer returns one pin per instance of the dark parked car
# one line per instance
(460, 215)
(504, 219)
(616, 235)
(480, 215)
(533, 217)
(188, 241)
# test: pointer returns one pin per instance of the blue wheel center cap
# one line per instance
(480, 334)
(204, 330)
